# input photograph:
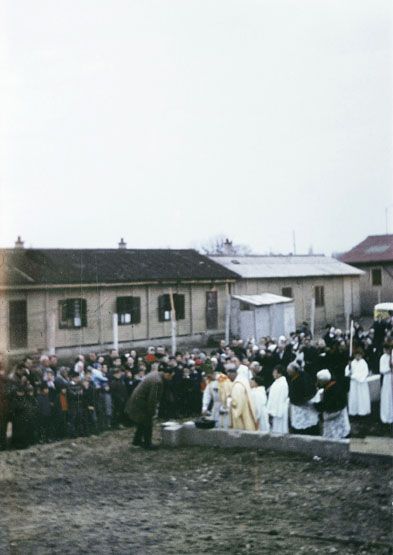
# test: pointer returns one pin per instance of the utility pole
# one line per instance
(227, 313)
(387, 217)
(173, 321)
(294, 241)
(312, 314)
(115, 331)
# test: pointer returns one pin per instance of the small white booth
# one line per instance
(262, 315)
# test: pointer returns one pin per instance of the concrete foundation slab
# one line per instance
(369, 449)
(179, 436)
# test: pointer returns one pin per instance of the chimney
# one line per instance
(228, 247)
(19, 244)
(122, 244)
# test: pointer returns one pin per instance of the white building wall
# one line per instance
(336, 301)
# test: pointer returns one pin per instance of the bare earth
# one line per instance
(100, 495)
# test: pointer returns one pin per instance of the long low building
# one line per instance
(64, 300)
(328, 284)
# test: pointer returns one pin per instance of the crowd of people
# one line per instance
(293, 383)
(300, 385)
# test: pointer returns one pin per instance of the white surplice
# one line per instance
(386, 408)
(259, 400)
(359, 402)
(336, 425)
(277, 405)
(211, 396)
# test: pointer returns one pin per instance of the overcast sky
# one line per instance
(168, 122)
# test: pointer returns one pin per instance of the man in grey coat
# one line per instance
(142, 404)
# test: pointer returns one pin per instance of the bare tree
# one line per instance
(221, 245)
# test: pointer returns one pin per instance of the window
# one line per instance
(287, 292)
(128, 310)
(164, 307)
(211, 310)
(244, 306)
(319, 295)
(72, 313)
(376, 277)
(18, 324)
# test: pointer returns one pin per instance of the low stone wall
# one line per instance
(177, 435)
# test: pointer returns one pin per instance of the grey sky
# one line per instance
(171, 121)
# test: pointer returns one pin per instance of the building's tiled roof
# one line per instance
(265, 267)
(376, 248)
(86, 266)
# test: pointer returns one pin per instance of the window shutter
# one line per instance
(179, 306)
(63, 312)
(83, 312)
(136, 310)
(161, 308)
(69, 309)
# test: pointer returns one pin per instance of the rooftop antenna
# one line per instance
(294, 241)
(387, 217)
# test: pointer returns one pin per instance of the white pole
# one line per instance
(115, 332)
(312, 316)
(227, 314)
(51, 339)
(351, 339)
(173, 321)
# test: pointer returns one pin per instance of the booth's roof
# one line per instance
(262, 299)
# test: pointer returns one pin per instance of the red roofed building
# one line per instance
(374, 256)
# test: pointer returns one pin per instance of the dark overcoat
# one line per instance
(142, 404)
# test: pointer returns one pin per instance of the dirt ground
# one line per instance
(100, 495)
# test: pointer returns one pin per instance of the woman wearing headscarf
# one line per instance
(242, 409)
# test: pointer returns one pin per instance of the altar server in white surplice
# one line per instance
(359, 403)
(277, 404)
(386, 369)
